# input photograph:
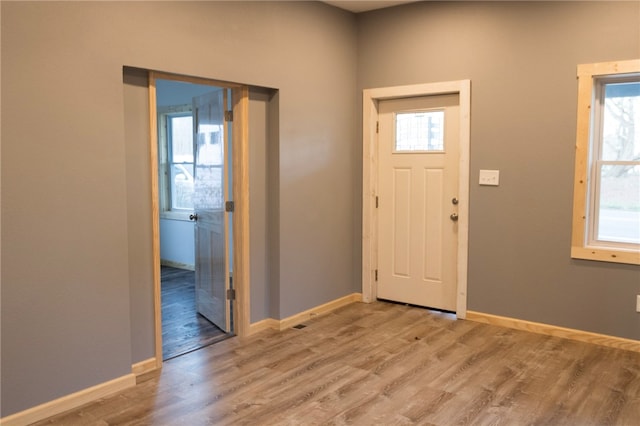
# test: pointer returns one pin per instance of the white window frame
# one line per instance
(164, 170)
(584, 245)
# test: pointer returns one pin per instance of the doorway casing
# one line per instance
(370, 100)
(240, 196)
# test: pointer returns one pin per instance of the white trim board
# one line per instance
(370, 100)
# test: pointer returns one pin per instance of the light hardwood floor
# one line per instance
(383, 364)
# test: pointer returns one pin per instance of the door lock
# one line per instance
(193, 217)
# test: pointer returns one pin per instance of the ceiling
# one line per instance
(364, 6)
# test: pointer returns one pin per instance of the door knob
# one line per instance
(193, 216)
(454, 201)
(454, 217)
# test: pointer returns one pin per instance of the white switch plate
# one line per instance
(490, 177)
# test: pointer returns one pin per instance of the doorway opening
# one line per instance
(198, 156)
(187, 324)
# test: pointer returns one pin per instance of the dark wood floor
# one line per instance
(383, 364)
(183, 329)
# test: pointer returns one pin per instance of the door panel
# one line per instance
(210, 193)
(401, 221)
(418, 179)
(433, 212)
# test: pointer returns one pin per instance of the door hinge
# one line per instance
(376, 273)
(231, 294)
(377, 127)
(229, 206)
(376, 201)
(228, 115)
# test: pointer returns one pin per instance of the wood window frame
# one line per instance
(588, 75)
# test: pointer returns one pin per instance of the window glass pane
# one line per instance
(420, 131)
(182, 186)
(210, 193)
(182, 139)
(621, 122)
(619, 209)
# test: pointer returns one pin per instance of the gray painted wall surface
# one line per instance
(76, 265)
(76, 234)
(521, 59)
(263, 202)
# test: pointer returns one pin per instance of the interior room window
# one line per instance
(180, 146)
(175, 137)
(606, 223)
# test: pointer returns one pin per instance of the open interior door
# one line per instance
(211, 221)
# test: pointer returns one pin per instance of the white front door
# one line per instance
(418, 152)
(210, 194)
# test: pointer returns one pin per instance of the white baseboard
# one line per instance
(552, 330)
(69, 402)
(301, 317)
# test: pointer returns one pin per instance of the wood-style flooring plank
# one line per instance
(382, 364)
(183, 328)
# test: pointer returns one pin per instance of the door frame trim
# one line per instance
(370, 100)
(240, 190)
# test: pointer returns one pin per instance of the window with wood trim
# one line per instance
(175, 140)
(606, 206)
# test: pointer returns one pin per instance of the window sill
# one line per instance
(173, 215)
(630, 257)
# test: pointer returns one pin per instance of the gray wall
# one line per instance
(263, 200)
(521, 59)
(76, 256)
(76, 260)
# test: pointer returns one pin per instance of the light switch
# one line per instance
(490, 177)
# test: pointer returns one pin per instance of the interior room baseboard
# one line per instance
(552, 330)
(145, 366)
(74, 400)
(265, 324)
(301, 317)
(179, 265)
